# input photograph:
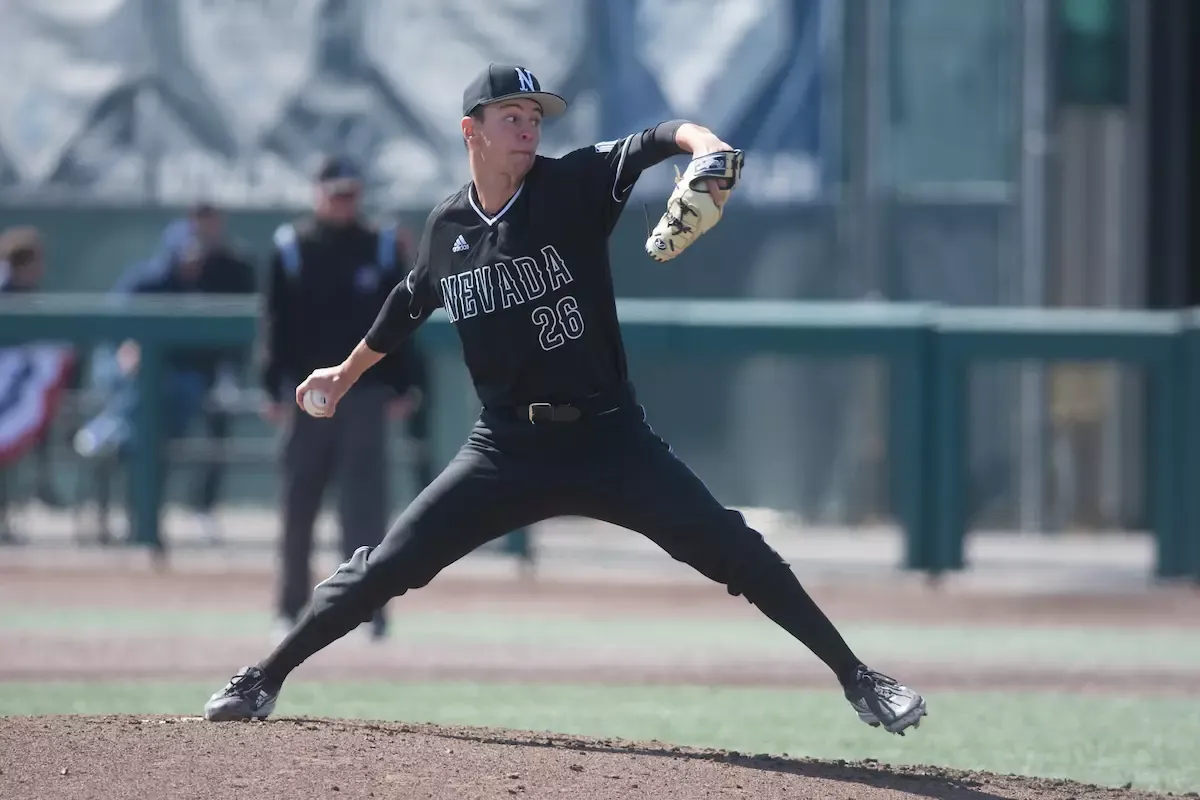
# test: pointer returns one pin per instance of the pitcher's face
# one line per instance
(509, 134)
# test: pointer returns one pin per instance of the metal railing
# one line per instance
(927, 349)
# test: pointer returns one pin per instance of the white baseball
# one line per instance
(316, 403)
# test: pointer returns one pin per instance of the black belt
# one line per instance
(596, 405)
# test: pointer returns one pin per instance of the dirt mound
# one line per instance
(116, 757)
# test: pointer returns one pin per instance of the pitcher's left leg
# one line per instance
(654, 493)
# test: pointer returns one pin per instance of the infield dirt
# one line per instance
(122, 758)
(119, 757)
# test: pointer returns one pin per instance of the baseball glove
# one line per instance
(691, 210)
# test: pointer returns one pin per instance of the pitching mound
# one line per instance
(111, 758)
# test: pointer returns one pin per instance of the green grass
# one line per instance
(1066, 646)
(1109, 741)
(1104, 740)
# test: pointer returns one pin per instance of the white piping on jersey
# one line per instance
(412, 295)
(492, 220)
(620, 167)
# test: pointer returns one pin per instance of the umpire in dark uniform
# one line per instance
(329, 274)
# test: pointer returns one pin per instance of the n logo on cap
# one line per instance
(526, 79)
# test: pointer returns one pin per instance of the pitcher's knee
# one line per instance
(348, 585)
(735, 555)
(371, 577)
(753, 564)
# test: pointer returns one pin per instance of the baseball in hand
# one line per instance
(316, 403)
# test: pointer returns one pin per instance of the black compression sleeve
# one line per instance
(652, 146)
(396, 320)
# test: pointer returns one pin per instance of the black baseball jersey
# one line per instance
(530, 290)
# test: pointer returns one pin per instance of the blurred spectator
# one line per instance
(208, 225)
(193, 259)
(204, 223)
(31, 377)
(22, 260)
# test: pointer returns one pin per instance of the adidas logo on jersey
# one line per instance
(460, 244)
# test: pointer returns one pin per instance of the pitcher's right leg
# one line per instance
(481, 495)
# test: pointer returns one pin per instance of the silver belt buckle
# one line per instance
(533, 406)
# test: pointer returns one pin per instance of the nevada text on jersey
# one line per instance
(524, 279)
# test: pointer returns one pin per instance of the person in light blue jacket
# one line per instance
(191, 258)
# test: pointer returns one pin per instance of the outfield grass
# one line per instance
(1108, 741)
(993, 645)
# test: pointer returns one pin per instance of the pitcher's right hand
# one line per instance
(328, 380)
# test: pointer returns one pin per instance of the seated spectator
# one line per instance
(199, 264)
(22, 260)
(31, 378)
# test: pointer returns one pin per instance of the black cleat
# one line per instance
(880, 700)
(247, 696)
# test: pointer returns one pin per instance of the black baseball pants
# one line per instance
(512, 473)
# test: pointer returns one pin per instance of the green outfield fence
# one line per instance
(927, 348)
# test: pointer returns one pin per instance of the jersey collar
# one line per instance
(492, 220)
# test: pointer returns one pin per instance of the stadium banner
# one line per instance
(144, 102)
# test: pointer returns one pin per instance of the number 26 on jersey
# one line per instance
(558, 323)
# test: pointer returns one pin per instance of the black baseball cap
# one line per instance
(339, 173)
(505, 82)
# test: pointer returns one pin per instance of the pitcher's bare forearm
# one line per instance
(361, 359)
